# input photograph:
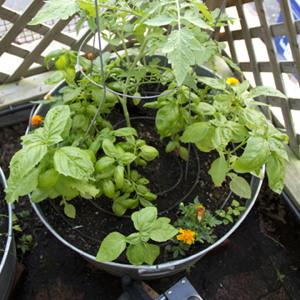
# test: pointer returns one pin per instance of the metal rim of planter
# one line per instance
(8, 262)
(146, 271)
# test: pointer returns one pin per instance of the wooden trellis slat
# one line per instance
(13, 32)
(42, 45)
(284, 67)
(252, 56)
(275, 69)
(291, 33)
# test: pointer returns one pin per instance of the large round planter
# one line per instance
(8, 262)
(146, 271)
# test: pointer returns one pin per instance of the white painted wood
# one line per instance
(24, 90)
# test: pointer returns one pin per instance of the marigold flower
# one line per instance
(90, 55)
(48, 96)
(232, 81)
(187, 236)
(200, 212)
(84, 69)
(35, 120)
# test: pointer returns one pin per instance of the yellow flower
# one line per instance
(48, 96)
(37, 119)
(187, 236)
(232, 81)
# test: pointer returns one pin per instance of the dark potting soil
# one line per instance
(95, 219)
(3, 222)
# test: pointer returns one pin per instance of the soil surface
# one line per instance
(261, 259)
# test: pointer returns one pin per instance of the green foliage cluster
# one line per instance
(202, 225)
(147, 224)
(59, 157)
(233, 211)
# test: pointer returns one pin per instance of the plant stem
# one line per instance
(127, 83)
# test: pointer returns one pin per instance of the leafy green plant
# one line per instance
(26, 243)
(195, 224)
(233, 211)
(76, 151)
(139, 251)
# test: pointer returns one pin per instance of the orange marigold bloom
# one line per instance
(48, 96)
(84, 70)
(187, 236)
(200, 213)
(90, 55)
(232, 81)
(35, 120)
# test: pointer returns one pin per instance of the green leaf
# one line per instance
(137, 254)
(218, 170)
(118, 209)
(266, 91)
(70, 73)
(111, 247)
(215, 83)
(253, 116)
(109, 147)
(55, 122)
(86, 190)
(22, 187)
(152, 251)
(204, 53)
(181, 56)
(56, 9)
(240, 187)
(148, 152)
(39, 195)
(25, 159)
(162, 231)
(160, 20)
(54, 54)
(144, 220)
(255, 155)
(108, 188)
(64, 189)
(127, 158)
(166, 119)
(221, 137)
(34, 137)
(126, 131)
(242, 87)
(206, 108)
(48, 179)
(195, 133)
(194, 18)
(278, 147)
(103, 163)
(183, 152)
(276, 172)
(119, 176)
(70, 211)
(222, 102)
(133, 238)
(73, 162)
(70, 95)
(56, 77)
